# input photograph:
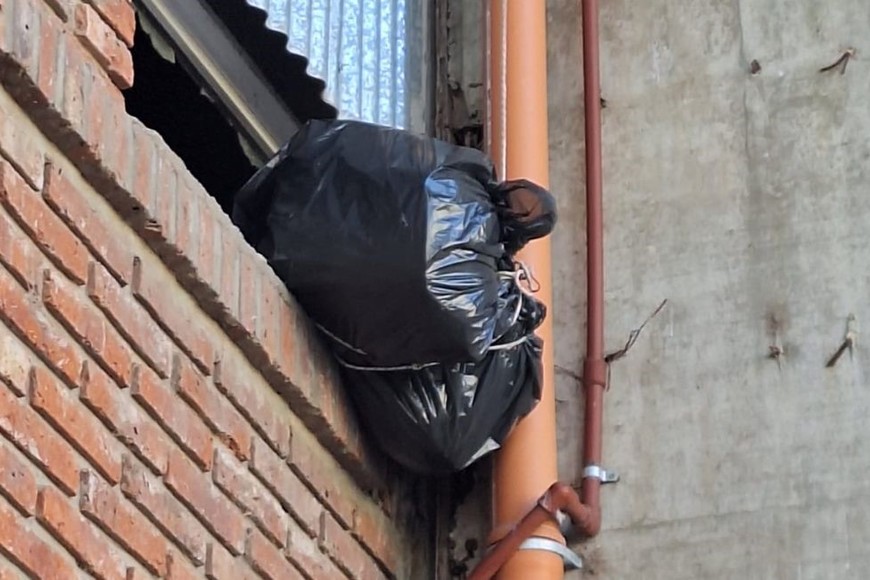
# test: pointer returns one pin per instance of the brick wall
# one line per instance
(165, 410)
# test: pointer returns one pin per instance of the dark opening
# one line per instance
(167, 99)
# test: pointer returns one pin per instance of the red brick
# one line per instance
(250, 495)
(346, 551)
(230, 274)
(102, 99)
(23, 24)
(303, 551)
(91, 549)
(221, 565)
(187, 234)
(24, 315)
(164, 510)
(49, 232)
(292, 493)
(19, 147)
(37, 441)
(115, 148)
(164, 206)
(250, 394)
(89, 100)
(107, 508)
(82, 144)
(211, 248)
(71, 419)
(74, 103)
(120, 15)
(144, 182)
(131, 425)
(88, 326)
(272, 305)
(15, 362)
(313, 464)
(287, 346)
(28, 551)
(129, 318)
(267, 560)
(96, 111)
(249, 292)
(180, 320)
(352, 507)
(213, 509)
(214, 409)
(104, 44)
(72, 205)
(21, 258)
(302, 348)
(323, 396)
(378, 535)
(77, 315)
(179, 568)
(177, 418)
(17, 482)
(50, 77)
(63, 8)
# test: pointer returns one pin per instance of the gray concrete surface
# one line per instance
(744, 199)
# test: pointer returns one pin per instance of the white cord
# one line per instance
(508, 345)
(341, 342)
(413, 367)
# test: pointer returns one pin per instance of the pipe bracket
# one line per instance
(566, 526)
(569, 557)
(601, 474)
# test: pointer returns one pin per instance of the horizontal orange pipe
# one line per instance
(527, 465)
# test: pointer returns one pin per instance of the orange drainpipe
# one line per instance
(527, 499)
(526, 466)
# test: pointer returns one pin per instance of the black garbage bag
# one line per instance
(400, 248)
(391, 241)
(442, 418)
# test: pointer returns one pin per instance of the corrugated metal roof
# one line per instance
(358, 47)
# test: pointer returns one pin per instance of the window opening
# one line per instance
(216, 79)
(219, 87)
(168, 100)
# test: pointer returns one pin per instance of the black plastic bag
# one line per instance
(401, 249)
(391, 241)
(440, 419)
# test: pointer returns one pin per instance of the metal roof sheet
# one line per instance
(358, 47)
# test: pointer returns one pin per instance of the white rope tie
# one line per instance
(341, 342)
(412, 367)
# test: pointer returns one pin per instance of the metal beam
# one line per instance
(225, 71)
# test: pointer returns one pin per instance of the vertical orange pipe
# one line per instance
(526, 466)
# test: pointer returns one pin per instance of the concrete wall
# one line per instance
(743, 199)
